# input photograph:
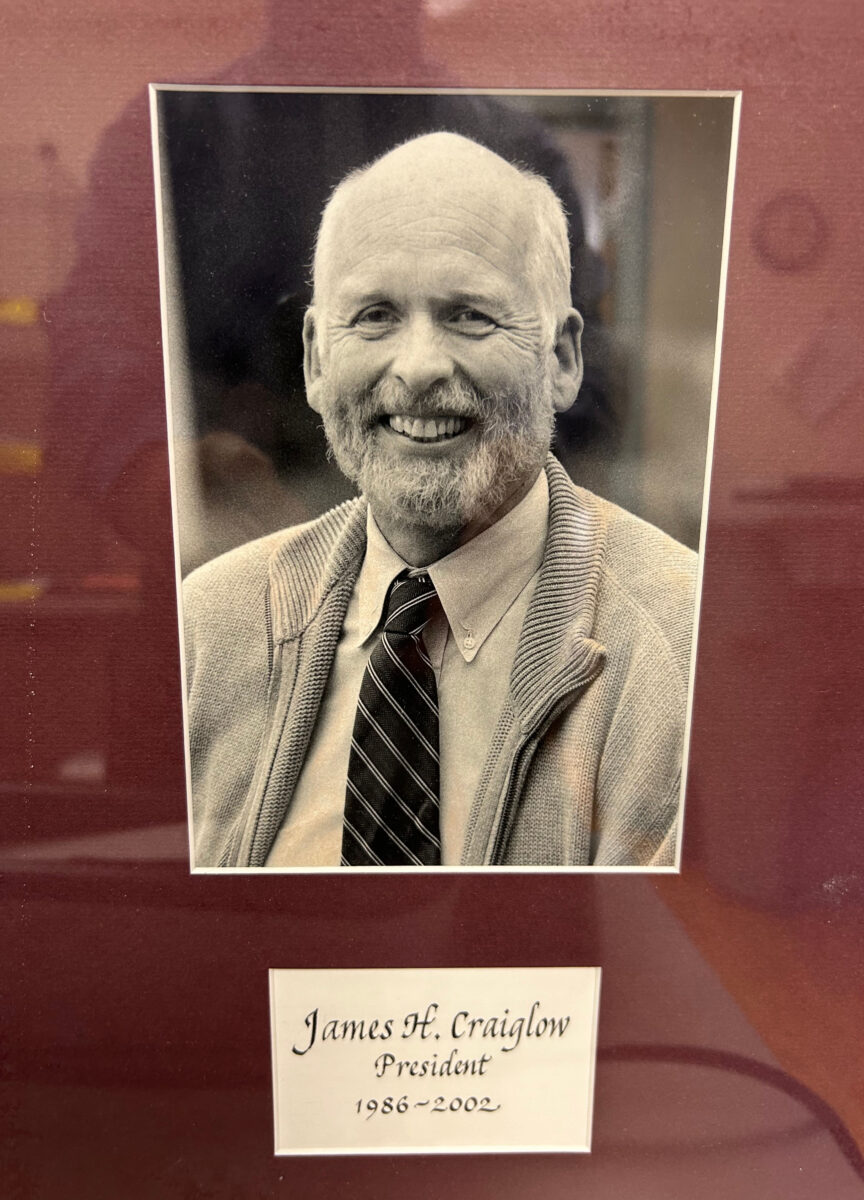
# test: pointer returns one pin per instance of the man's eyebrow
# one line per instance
(468, 299)
(351, 294)
(358, 295)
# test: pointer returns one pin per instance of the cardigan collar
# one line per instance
(556, 650)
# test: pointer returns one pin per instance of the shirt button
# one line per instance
(468, 641)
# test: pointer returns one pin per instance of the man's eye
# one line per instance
(471, 320)
(376, 317)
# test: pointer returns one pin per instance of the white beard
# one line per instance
(515, 432)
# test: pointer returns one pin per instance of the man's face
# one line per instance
(429, 353)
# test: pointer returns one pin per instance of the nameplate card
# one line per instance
(441, 1060)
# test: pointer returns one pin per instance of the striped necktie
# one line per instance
(391, 800)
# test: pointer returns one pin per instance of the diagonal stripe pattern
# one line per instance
(391, 799)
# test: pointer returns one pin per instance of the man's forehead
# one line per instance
(424, 223)
(424, 196)
(448, 277)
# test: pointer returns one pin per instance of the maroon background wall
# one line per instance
(138, 1061)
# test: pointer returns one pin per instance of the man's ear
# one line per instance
(567, 373)
(311, 360)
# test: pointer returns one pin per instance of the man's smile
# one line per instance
(426, 429)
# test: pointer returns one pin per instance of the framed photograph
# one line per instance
(608, 996)
(302, 364)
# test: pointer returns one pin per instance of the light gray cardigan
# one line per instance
(585, 764)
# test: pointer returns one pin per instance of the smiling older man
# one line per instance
(476, 662)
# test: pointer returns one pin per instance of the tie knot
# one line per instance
(410, 604)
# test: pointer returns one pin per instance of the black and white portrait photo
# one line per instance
(440, 370)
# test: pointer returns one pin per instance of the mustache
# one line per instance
(354, 413)
(389, 397)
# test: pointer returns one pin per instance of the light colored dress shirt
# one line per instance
(485, 588)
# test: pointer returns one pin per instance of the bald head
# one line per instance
(444, 175)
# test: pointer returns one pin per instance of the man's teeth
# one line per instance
(428, 429)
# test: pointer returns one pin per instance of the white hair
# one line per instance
(548, 249)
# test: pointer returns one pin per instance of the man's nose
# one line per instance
(421, 358)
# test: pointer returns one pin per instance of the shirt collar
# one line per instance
(477, 583)
(381, 565)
